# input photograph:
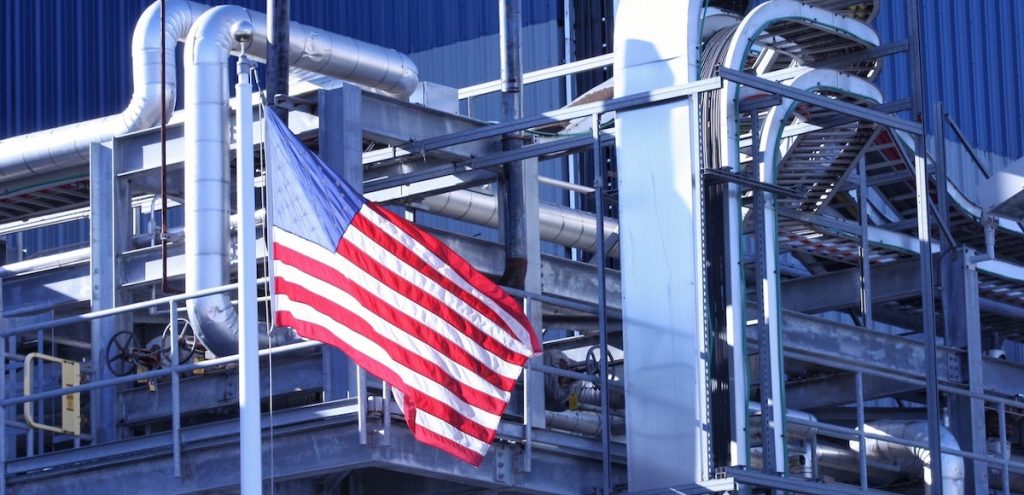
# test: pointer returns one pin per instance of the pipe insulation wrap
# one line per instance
(207, 128)
(558, 224)
(906, 456)
(61, 147)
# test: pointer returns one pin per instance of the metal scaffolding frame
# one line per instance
(970, 383)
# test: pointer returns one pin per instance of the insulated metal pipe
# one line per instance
(207, 240)
(906, 456)
(61, 147)
(558, 224)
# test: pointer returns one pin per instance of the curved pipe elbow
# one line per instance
(207, 133)
(61, 147)
(215, 321)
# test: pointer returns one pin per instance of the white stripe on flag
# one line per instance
(446, 430)
(445, 270)
(415, 381)
(387, 330)
(398, 301)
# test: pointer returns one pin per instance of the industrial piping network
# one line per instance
(207, 180)
(208, 45)
(67, 146)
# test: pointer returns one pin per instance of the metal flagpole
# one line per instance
(251, 450)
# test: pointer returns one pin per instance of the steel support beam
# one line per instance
(963, 330)
(840, 290)
(341, 143)
(108, 218)
(310, 442)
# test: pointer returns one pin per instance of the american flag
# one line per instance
(398, 302)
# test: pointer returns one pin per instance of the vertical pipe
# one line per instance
(602, 301)
(175, 389)
(919, 110)
(939, 124)
(862, 451)
(386, 412)
(361, 404)
(513, 181)
(278, 39)
(527, 417)
(3, 396)
(1004, 448)
(163, 146)
(248, 340)
(866, 309)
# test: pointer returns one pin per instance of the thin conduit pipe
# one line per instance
(66, 146)
(209, 43)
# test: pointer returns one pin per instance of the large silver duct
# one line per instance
(558, 224)
(58, 148)
(908, 457)
(207, 198)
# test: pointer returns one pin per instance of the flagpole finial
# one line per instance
(242, 32)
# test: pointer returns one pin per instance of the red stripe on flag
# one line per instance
(446, 444)
(460, 265)
(422, 401)
(410, 359)
(408, 324)
(428, 301)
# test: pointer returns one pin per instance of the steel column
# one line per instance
(278, 31)
(106, 213)
(602, 306)
(341, 146)
(963, 329)
(920, 114)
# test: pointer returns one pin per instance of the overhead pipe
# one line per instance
(907, 456)
(558, 224)
(209, 43)
(45, 262)
(66, 146)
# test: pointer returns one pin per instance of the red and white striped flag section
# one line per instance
(398, 302)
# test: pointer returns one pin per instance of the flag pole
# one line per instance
(251, 451)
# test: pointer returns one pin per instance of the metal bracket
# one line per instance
(503, 464)
(294, 103)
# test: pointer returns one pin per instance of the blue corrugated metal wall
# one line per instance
(974, 64)
(64, 61)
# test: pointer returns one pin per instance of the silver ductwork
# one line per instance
(61, 147)
(207, 197)
(558, 224)
(908, 457)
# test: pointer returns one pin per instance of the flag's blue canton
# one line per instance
(310, 199)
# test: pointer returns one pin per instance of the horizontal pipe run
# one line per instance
(561, 184)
